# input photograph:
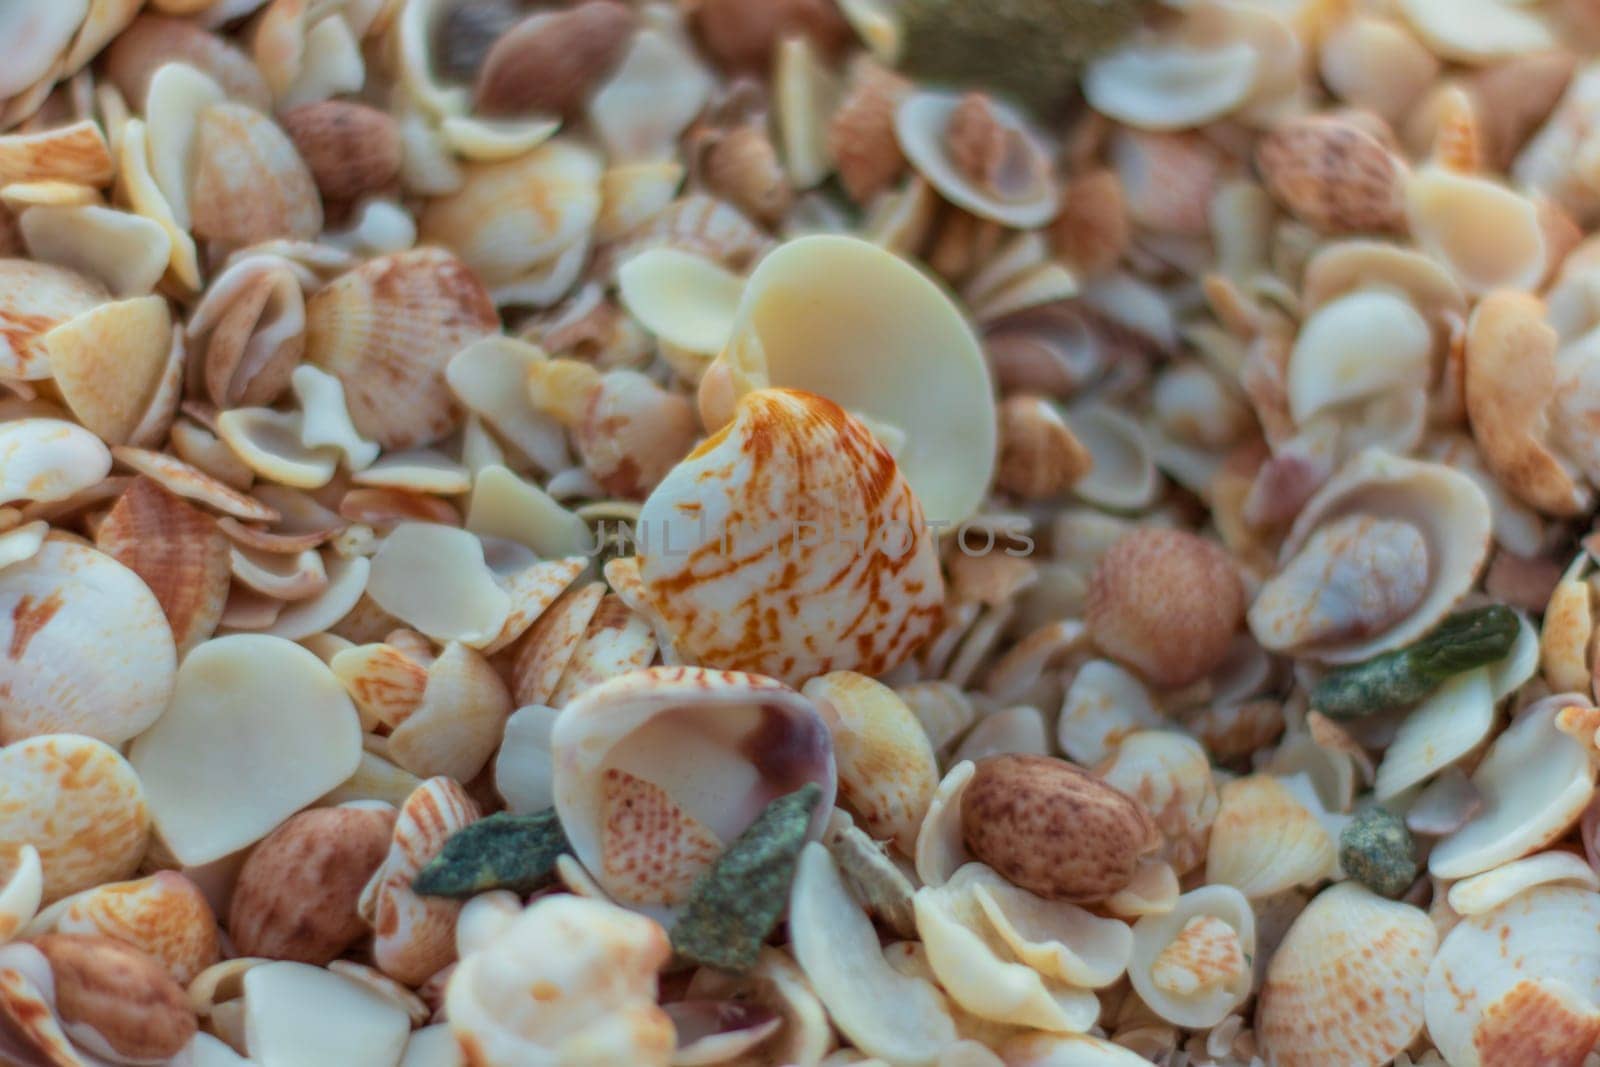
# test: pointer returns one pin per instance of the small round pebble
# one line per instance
(1377, 850)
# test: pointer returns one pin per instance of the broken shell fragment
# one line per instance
(1007, 179)
(434, 578)
(1191, 965)
(249, 182)
(1264, 840)
(46, 460)
(297, 1013)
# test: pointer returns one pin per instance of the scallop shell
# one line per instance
(175, 549)
(1384, 550)
(547, 649)
(165, 916)
(649, 793)
(387, 329)
(1518, 985)
(1265, 840)
(595, 966)
(189, 482)
(38, 297)
(1346, 984)
(1521, 813)
(76, 801)
(257, 729)
(89, 649)
(803, 323)
(1191, 965)
(923, 125)
(249, 182)
(48, 460)
(414, 935)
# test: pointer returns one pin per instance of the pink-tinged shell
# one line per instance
(414, 936)
(387, 329)
(177, 550)
(657, 770)
(740, 583)
(34, 299)
(86, 648)
(165, 916)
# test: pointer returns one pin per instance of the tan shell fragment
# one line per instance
(248, 331)
(1346, 984)
(387, 329)
(35, 298)
(76, 801)
(1334, 174)
(125, 252)
(113, 1000)
(74, 153)
(1476, 31)
(109, 361)
(165, 916)
(349, 148)
(152, 40)
(1487, 235)
(191, 483)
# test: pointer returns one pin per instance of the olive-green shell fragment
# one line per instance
(503, 851)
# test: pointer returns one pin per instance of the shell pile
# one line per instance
(913, 533)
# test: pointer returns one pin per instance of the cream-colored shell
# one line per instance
(1190, 965)
(1105, 703)
(806, 321)
(1346, 983)
(1167, 83)
(1170, 774)
(1265, 840)
(45, 460)
(921, 124)
(1059, 940)
(434, 579)
(776, 982)
(1487, 235)
(295, 1013)
(1450, 722)
(658, 770)
(941, 846)
(1484, 892)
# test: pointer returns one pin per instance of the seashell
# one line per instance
(1334, 175)
(79, 804)
(659, 88)
(684, 299)
(778, 986)
(69, 606)
(458, 721)
(347, 579)
(1503, 248)
(1039, 456)
(524, 767)
(1448, 724)
(1059, 940)
(690, 590)
(1166, 83)
(1264, 840)
(582, 952)
(214, 740)
(325, 418)
(741, 37)
(1122, 472)
(1378, 531)
(350, 149)
(944, 711)
(269, 443)
(1017, 730)
(886, 767)
(490, 377)
(73, 153)
(902, 1018)
(861, 131)
(551, 643)
(126, 253)
(513, 218)
(605, 780)
(1329, 365)
(45, 36)
(414, 934)
(249, 331)
(505, 506)
(150, 41)
(1104, 704)
(1518, 984)
(1040, 1049)
(1092, 231)
(46, 460)
(1482, 893)
(165, 916)
(978, 154)
(176, 550)
(1478, 31)
(549, 65)
(434, 579)
(804, 300)
(184, 480)
(1346, 983)
(1521, 813)
(629, 431)
(21, 893)
(296, 1013)
(38, 297)
(1376, 64)
(375, 779)
(1191, 965)
(1170, 774)
(249, 182)
(387, 329)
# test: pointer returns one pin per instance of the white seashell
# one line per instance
(1123, 474)
(1191, 965)
(79, 804)
(1104, 704)
(1264, 840)
(48, 33)
(941, 843)
(1536, 957)
(490, 377)
(1482, 893)
(1170, 774)
(257, 729)
(1485, 234)
(524, 769)
(325, 419)
(1450, 722)
(89, 650)
(1019, 729)
(1334, 360)
(506, 506)
(652, 96)
(271, 444)
(431, 1046)
(1156, 84)
(1478, 31)
(777, 984)
(347, 580)
(21, 893)
(1521, 812)
(126, 253)
(1059, 940)
(1346, 983)
(806, 92)
(804, 323)
(922, 126)
(47, 460)
(146, 199)
(1383, 550)
(297, 1014)
(434, 579)
(683, 299)
(978, 969)
(904, 1019)
(418, 471)
(657, 770)
(178, 93)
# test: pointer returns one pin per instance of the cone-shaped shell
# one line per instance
(1346, 984)
(658, 770)
(387, 329)
(790, 544)
(88, 649)
(852, 322)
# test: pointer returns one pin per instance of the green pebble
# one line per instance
(1377, 850)
(734, 907)
(503, 851)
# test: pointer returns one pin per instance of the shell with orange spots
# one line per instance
(79, 803)
(165, 916)
(1346, 984)
(790, 544)
(657, 770)
(1519, 985)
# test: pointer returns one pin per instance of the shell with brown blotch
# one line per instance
(793, 511)
(34, 298)
(387, 329)
(1346, 984)
(250, 183)
(165, 916)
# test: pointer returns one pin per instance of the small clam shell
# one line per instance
(249, 330)
(297, 1013)
(1518, 984)
(1169, 774)
(524, 766)
(387, 329)
(249, 182)
(1023, 197)
(37, 298)
(649, 795)
(270, 444)
(1375, 63)
(151, 41)
(1013, 730)
(216, 739)
(21, 893)
(887, 772)
(1191, 965)
(165, 916)
(460, 720)
(45, 460)
(1502, 247)
(1334, 175)
(1264, 840)
(434, 579)
(1476, 31)
(941, 841)
(1122, 472)
(89, 650)
(1521, 813)
(1331, 364)
(76, 801)
(1485, 892)
(683, 299)
(1346, 984)
(347, 579)
(176, 550)
(490, 377)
